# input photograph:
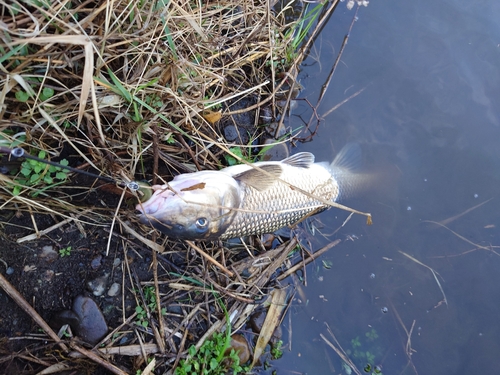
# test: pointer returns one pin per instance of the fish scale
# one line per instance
(280, 205)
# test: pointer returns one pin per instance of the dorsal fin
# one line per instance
(300, 160)
(259, 180)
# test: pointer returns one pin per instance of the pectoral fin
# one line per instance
(300, 160)
(260, 180)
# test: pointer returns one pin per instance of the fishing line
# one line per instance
(18, 152)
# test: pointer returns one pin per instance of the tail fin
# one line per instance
(346, 169)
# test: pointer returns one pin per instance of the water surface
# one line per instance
(429, 122)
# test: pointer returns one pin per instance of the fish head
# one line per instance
(193, 206)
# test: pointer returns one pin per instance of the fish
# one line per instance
(251, 199)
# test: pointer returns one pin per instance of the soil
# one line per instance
(50, 280)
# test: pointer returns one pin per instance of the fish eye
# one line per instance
(202, 222)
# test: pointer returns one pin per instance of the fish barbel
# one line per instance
(244, 200)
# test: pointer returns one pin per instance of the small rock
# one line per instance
(49, 254)
(276, 153)
(114, 289)
(86, 320)
(91, 324)
(240, 346)
(96, 262)
(117, 262)
(256, 322)
(48, 275)
(267, 240)
(98, 286)
(9, 271)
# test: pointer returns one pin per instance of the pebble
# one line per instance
(276, 153)
(49, 254)
(9, 271)
(256, 322)
(117, 262)
(241, 347)
(91, 323)
(48, 275)
(114, 289)
(96, 262)
(98, 285)
(86, 320)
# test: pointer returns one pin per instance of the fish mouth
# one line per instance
(151, 206)
(170, 229)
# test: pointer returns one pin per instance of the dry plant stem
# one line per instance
(459, 236)
(154, 127)
(94, 357)
(28, 309)
(339, 350)
(309, 260)
(434, 273)
(338, 105)
(161, 342)
(34, 236)
(210, 259)
(129, 350)
(453, 218)
(407, 341)
(266, 275)
(227, 293)
(325, 86)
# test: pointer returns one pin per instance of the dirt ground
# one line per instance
(50, 281)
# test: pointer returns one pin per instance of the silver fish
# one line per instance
(244, 200)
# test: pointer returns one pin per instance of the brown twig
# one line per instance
(309, 260)
(210, 259)
(28, 309)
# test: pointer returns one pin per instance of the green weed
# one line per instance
(150, 299)
(365, 354)
(210, 359)
(36, 173)
(65, 252)
(276, 351)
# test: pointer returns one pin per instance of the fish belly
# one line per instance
(281, 205)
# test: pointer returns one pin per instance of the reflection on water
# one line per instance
(429, 114)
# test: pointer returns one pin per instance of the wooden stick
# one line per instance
(94, 357)
(28, 309)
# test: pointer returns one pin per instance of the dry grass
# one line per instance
(135, 90)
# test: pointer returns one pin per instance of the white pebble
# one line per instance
(114, 289)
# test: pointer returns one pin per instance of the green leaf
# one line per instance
(22, 96)
(119, 88)
(61, 175)
(17, 190)
(47, 93)
(26, 171)
(48, 180)
(213, 363)
(38, 168)
(42, 154)
(34, 177)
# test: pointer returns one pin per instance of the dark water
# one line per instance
(429, 120)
